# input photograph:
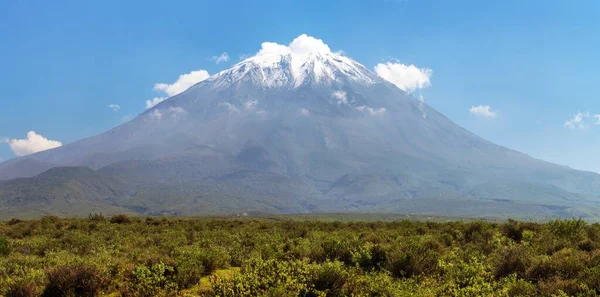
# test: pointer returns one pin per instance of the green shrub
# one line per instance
(5, 247)
(21, 289)
(215, 258)
(330, 278)
(334, 249)
(50, 219)
(189, 267)
(521, 288)
(264, 278)
(96, 217)
(120, 219)
(413, 258)
(379, 257)
(564, 287)
(14, 221)
(74, 280)
(513, 231)
(149, 281)
(572, 228)
(512, 259)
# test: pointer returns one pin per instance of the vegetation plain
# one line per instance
(297, 256)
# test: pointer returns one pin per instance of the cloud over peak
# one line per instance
(406, 77)
(301, 45)
(32, 144)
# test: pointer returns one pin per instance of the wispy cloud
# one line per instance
(230, 107)
(114, 107)
(341, 97)
(483, 111)
(582, 120)
(173, 112)
(223, 57)
(155, 101)
(370, 110)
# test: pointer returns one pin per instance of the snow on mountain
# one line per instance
(305, 60)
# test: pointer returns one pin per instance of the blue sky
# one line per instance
(534, 63)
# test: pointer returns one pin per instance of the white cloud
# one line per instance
(302, 44)
(406, 77)
(422, 105)
(184, 82)
(114, 107)
(127, 118)
(33, 144)
(155, 101)
(156, 114)
(250, 104)
(174, 112)
(230, 107)
(305, 112)
(370, 110)
(482, 111)
(223, 57)
(341, 97)
(581, 120)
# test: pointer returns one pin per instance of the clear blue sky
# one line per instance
(535, 63)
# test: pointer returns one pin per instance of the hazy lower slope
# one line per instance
(68, 191)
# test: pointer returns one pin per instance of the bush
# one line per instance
(5, 248)
(21, 289)
(379, 257)
(512, 259)
(330, 277)
(150, 281)
(414, 258)
(567, 228)
(96, 217)
(51, 219)
(120, 219)
(14, 221)
(513, 231)
(519, 287)
(265, 278)
(337, 250)
(567, 263)
(73, 280)
(189, 267)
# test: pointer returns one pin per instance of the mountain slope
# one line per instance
(310, 131)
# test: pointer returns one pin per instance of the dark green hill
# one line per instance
(68, 191)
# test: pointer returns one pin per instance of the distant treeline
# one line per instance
(125, 256)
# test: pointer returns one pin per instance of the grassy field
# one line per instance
(326, 255)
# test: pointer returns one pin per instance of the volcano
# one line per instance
(293, 130)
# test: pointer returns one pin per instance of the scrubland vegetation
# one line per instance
(123, 256)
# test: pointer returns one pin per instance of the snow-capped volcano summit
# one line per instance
(305, 60)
